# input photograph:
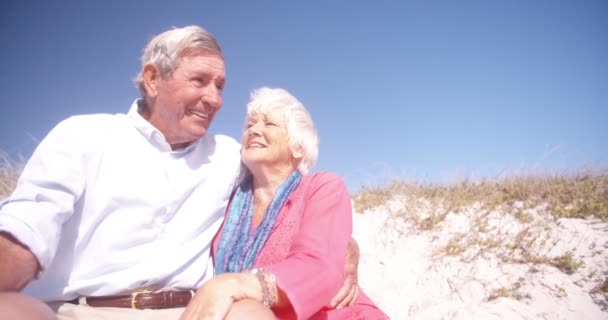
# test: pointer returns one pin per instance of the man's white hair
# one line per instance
(165, 50)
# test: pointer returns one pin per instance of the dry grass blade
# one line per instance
(9, 173)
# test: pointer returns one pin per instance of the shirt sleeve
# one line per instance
(313, 271)
(46, 192)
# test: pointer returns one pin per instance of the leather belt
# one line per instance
(141, 300)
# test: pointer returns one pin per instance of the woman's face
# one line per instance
(265, 142)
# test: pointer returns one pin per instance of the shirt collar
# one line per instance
(150, 132)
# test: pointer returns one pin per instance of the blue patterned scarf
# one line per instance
(239, 245)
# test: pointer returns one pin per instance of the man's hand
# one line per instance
(349, 291)
(18, 265)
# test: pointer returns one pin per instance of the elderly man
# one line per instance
(116, 213)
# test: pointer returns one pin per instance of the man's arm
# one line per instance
(31, 218)
(350, 289)
(18, 266)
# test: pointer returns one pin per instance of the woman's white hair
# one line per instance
(165, 50)
(301, 132)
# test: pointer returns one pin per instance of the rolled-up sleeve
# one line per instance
(46, 192)
(313, 272)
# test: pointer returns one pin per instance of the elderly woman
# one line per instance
(280, 252)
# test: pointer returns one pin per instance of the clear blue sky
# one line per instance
(427, 90)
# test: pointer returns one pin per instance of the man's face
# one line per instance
(185, 104)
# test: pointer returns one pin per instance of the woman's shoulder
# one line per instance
(323, 177)
(327, 181)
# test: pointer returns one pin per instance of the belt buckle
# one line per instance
(134, 297)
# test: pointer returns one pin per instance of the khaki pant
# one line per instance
(69, 311)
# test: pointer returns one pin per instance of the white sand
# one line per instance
(410, 274)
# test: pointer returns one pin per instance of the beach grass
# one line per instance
(576, 194)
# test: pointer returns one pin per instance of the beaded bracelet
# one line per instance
(267, 281)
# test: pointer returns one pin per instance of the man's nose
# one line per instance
(212, 96)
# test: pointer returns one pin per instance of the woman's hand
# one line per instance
(213, 300)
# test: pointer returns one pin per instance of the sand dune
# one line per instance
(484, 265)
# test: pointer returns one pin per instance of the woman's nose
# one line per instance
(258, 125)
(254, 130)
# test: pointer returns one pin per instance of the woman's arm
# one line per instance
(313, 271)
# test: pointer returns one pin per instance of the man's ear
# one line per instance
(151, 77)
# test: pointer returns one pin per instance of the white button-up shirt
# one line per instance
(107, 206)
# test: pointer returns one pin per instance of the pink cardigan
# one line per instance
(306, 250)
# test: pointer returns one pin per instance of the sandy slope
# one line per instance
(483, 265)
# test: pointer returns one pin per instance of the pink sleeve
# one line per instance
(313, 271)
